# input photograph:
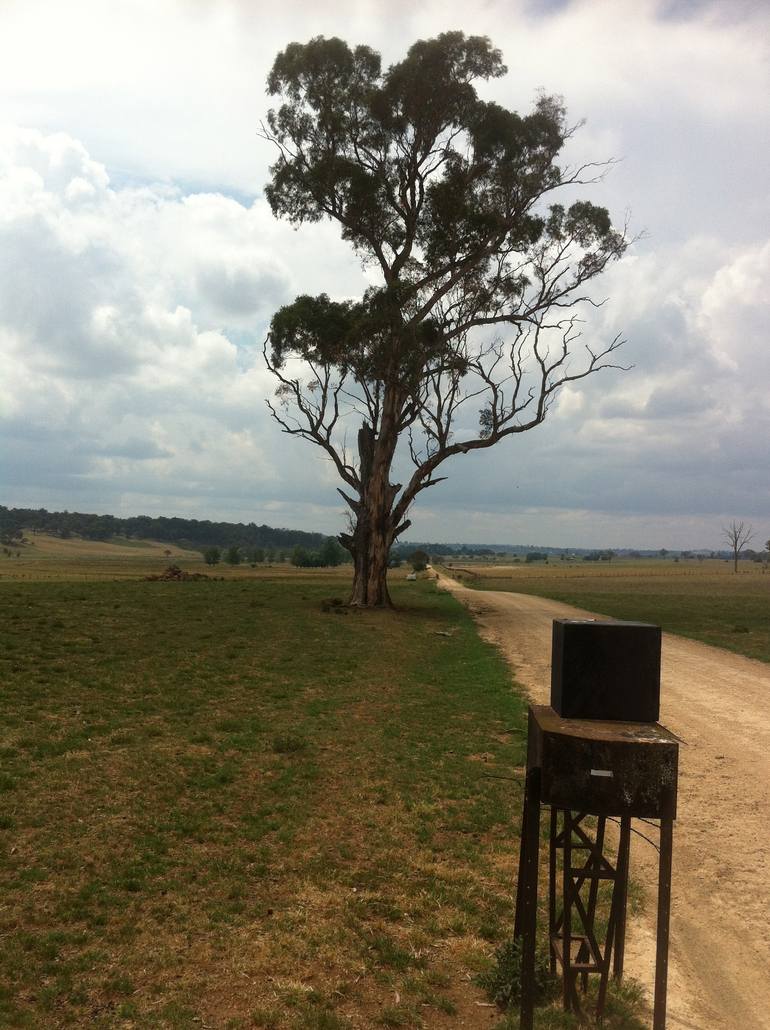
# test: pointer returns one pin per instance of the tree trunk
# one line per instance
(370, 544)
(375, 528)
(370, 570)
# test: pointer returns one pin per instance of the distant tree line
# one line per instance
(403, 552)
(255, 544)
(331, 552)
(599, 556)
(193, 533)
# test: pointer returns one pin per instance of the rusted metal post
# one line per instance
(582, 767)
(517, 928)
(594, 866)
(624, 848)
(664, 913)
(615, 925)
(552, 884)
(528, 912)
(566, 926)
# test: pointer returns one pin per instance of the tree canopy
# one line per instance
(448, 199)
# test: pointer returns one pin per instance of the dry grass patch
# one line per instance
(220, 804)
(51, 559)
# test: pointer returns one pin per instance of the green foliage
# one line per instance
(212, 556)
(233, 556)
(301, 557)
(419, 560)
(363, 147)
(191, 533)
(12, 536)
(333, 553)
(316, 327)
(502, 981)
(447, 197)
(599, 556)
(338, 104)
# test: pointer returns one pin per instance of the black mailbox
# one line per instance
(606, 669)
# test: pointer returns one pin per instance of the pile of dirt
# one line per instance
(175, 574)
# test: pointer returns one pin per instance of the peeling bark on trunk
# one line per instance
(369, 545)
(375, 528)
(370, 587)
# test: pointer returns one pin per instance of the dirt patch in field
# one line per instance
(717, 703)
(173, 574)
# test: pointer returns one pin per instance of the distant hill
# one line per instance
(74, 548)
(197, 534)
(460, 550)
(188, 533)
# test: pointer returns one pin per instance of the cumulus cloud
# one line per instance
(682, 432)
(140, 265)
(130, 325)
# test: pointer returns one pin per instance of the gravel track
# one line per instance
(719, 705)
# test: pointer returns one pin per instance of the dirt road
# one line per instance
(719, 705)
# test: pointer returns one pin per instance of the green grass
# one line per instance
(706, 602)
(220, 804)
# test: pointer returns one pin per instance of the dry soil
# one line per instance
(719, 705)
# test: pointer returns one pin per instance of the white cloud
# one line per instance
(139, 265)
(130, 325)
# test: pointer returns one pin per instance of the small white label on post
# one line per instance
(601, 772)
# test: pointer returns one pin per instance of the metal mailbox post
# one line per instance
(580, 767)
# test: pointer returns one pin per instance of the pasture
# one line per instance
(50, 558)
(229, 803)
(706, 600)
(224, 806)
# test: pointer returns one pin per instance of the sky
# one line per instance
(140, 266)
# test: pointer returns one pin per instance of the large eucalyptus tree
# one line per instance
(452, 201)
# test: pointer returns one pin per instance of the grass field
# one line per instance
(706, 601)
(222, 805)
(45, 557)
